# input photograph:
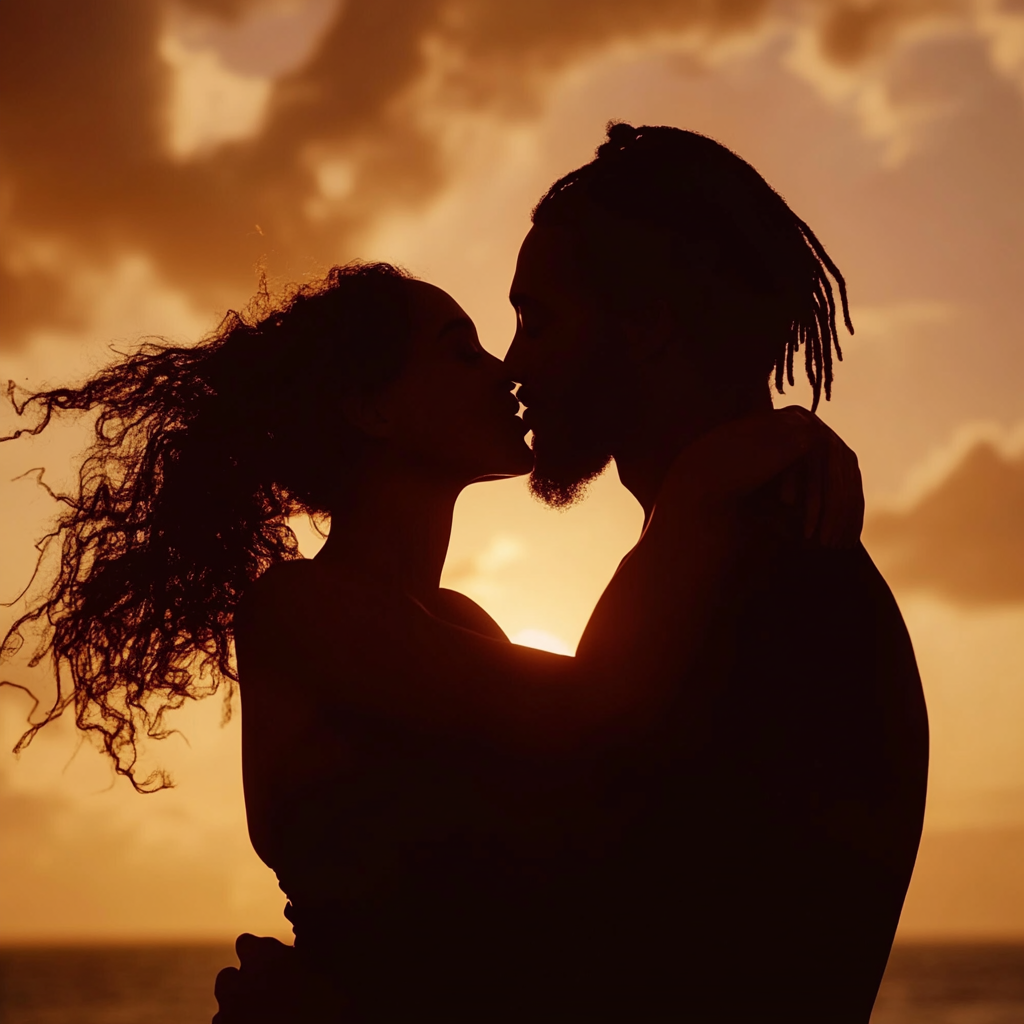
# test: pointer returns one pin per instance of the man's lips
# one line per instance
(532, 411)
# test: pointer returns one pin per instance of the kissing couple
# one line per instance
(711, 813)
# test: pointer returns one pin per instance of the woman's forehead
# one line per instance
(434, 313)
(433, 304)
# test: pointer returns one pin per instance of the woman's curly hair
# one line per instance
(201, 455)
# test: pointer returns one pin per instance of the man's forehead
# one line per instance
(546, 258)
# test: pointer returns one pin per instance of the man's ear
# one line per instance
(649, 331)
(367, 414)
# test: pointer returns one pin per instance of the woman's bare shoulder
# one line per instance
(298, 606)
(282, 582)
(283, 591)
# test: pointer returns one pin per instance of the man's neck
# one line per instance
(646, 455)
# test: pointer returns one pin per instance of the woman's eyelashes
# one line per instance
(468, 349)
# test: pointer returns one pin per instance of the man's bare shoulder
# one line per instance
(853, 596)
(460, 610)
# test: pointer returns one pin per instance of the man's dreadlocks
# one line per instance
(722, 226)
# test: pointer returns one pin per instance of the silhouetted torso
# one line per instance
(753, 872)
(767, 869)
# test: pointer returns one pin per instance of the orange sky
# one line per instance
(151, 153)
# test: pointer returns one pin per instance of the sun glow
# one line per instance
(542, 640)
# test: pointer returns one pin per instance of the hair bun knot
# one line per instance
(620, 136)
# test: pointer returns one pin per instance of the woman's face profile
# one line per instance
(452, 409)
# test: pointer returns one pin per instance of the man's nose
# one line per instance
(515, 362)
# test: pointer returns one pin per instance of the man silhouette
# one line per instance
(762, 867)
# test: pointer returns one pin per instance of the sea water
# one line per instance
(925, 984)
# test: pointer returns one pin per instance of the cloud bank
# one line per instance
(964, 539)
(210, 134)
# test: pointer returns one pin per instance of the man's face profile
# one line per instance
(565, 356)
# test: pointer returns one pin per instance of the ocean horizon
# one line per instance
(925, 983)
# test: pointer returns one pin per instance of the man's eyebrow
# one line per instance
(518, 299)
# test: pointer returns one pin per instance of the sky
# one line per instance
(155, 157)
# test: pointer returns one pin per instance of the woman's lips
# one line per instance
(514, 417)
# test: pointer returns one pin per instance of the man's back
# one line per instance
(767, 870)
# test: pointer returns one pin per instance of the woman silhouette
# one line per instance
(432, 798)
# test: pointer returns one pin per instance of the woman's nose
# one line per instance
(499, 371)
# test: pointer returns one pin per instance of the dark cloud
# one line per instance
(964, 540)
(86, 172)
(851, 32)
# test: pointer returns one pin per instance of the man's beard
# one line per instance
(568, 457)
(576, 432)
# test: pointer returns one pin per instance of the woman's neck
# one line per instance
(394, 531)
